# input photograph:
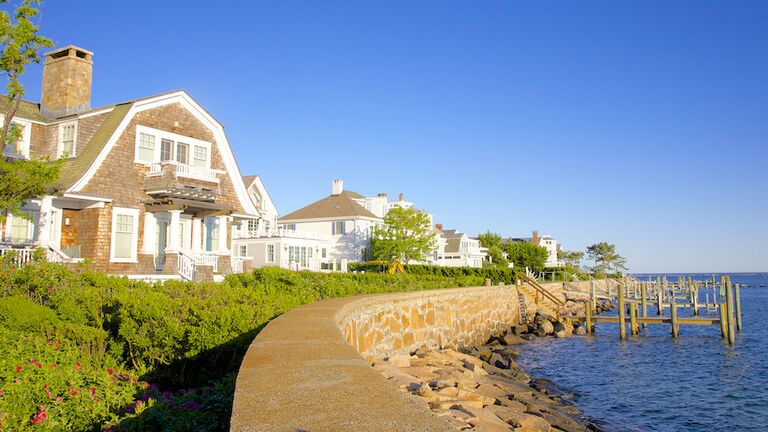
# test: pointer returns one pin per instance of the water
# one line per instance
(696, 382)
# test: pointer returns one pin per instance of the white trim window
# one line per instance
(125, 234)
(270, 253)
(20, 147)
(146, 149)
(23, 230)
(243, 250)
(67, 139)
(155, 145)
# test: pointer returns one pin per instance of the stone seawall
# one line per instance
(306, 369)
(401, 323)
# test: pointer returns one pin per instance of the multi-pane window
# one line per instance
(166, 149)
(23, 230)
(266, 225)
(338, 227)
(146, 147)
(253, 226)
(211, 234)
(200, 156)
(67, 139)
(270, 253)
(181, 235)
(324, 252)
(182, 153)
(243, 250)
(123, 235)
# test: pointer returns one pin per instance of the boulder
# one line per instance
(400, 360)
(580, 330)
(512, 339)
(499, 361)
(558, 326)
(547, 327)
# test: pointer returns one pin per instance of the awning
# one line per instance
(197, 208)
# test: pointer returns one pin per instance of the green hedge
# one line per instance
(176, 336)
(506, 275)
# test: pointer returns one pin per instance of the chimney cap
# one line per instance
(337, 187)
(67, 48)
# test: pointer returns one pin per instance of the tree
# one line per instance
(20, 179)
(495, 246)
(524, 254)
(571, 258)
(605, 258)
(406, 235)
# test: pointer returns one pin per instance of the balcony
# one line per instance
(281, 233)
(181, 180)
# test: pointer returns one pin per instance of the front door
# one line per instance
(162, 237)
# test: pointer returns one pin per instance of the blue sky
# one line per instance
(641, 124)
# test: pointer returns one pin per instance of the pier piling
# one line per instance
(729, 311)
(633, 327)
(644, 305)
(673, 313)
(622, 329)
(738, 308)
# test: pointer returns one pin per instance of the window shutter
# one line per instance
(333, 227)
(343, 227)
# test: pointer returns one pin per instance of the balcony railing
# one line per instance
(184, 170)
(281, 232)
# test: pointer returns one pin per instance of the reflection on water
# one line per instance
(696, 382)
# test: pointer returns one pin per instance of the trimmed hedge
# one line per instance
(82, 336)
(496, 275)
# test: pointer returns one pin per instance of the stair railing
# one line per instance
(540, 290)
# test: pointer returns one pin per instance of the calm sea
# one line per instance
(653, 382)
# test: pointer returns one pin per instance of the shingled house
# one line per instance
(149, 185)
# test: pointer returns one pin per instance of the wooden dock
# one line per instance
(634, 297)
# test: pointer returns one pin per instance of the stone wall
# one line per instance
(404, 322)
(305, 370)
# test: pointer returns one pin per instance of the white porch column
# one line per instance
(173, 231)
(45, 222)
(150, 234)
(197, 235)
(223, 246)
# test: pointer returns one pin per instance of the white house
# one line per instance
(346, 218)
(460, 250)
(264, 243)
(547, 242)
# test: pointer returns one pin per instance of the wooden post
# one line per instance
(588, 315)
(659, 305)
(738, 308)
(622, 329)
(673, 313)
(695, 299)
(723, 325)
(644, 305)
(729, 310)
(633, 328)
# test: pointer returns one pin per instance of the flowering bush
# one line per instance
(74, 346)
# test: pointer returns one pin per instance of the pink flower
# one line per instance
(18, 369)
(110, 371)
(92, 390)
(58, 399)
(138, 403)
(15, 380)
(2, 392)
(77, 366)
(40, 415)
(53, 366)
(45, 386)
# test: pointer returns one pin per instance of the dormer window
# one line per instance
(20, 147)
(67, 134)
(256, 197)
(154, 145)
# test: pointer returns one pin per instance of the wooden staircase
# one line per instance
(545, 300)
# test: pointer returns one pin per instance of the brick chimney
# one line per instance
(535, 238)
(382, 195)
(66, 82)
(338, 187)
(439, 226)
(402, 197)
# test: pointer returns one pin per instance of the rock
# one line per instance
(514, 373)
(499, 361)
(558, 326)
(547, 327)
(526, 422)
(421, 352)
(513, 404)
(507, 351)
(528, 336)
(518, 329)
(562, 334)
(400, 361)
(580, 330)
(512, 340)
(562, 421)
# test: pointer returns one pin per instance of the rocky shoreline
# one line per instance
(482, 389)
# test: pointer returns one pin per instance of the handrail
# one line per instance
(560, 305)
(186, 266)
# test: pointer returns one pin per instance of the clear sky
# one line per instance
(643, 124)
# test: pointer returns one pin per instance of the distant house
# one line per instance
(265, 243)
(342, 218)
(149, 185)
(547, 242)
(460, 250)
